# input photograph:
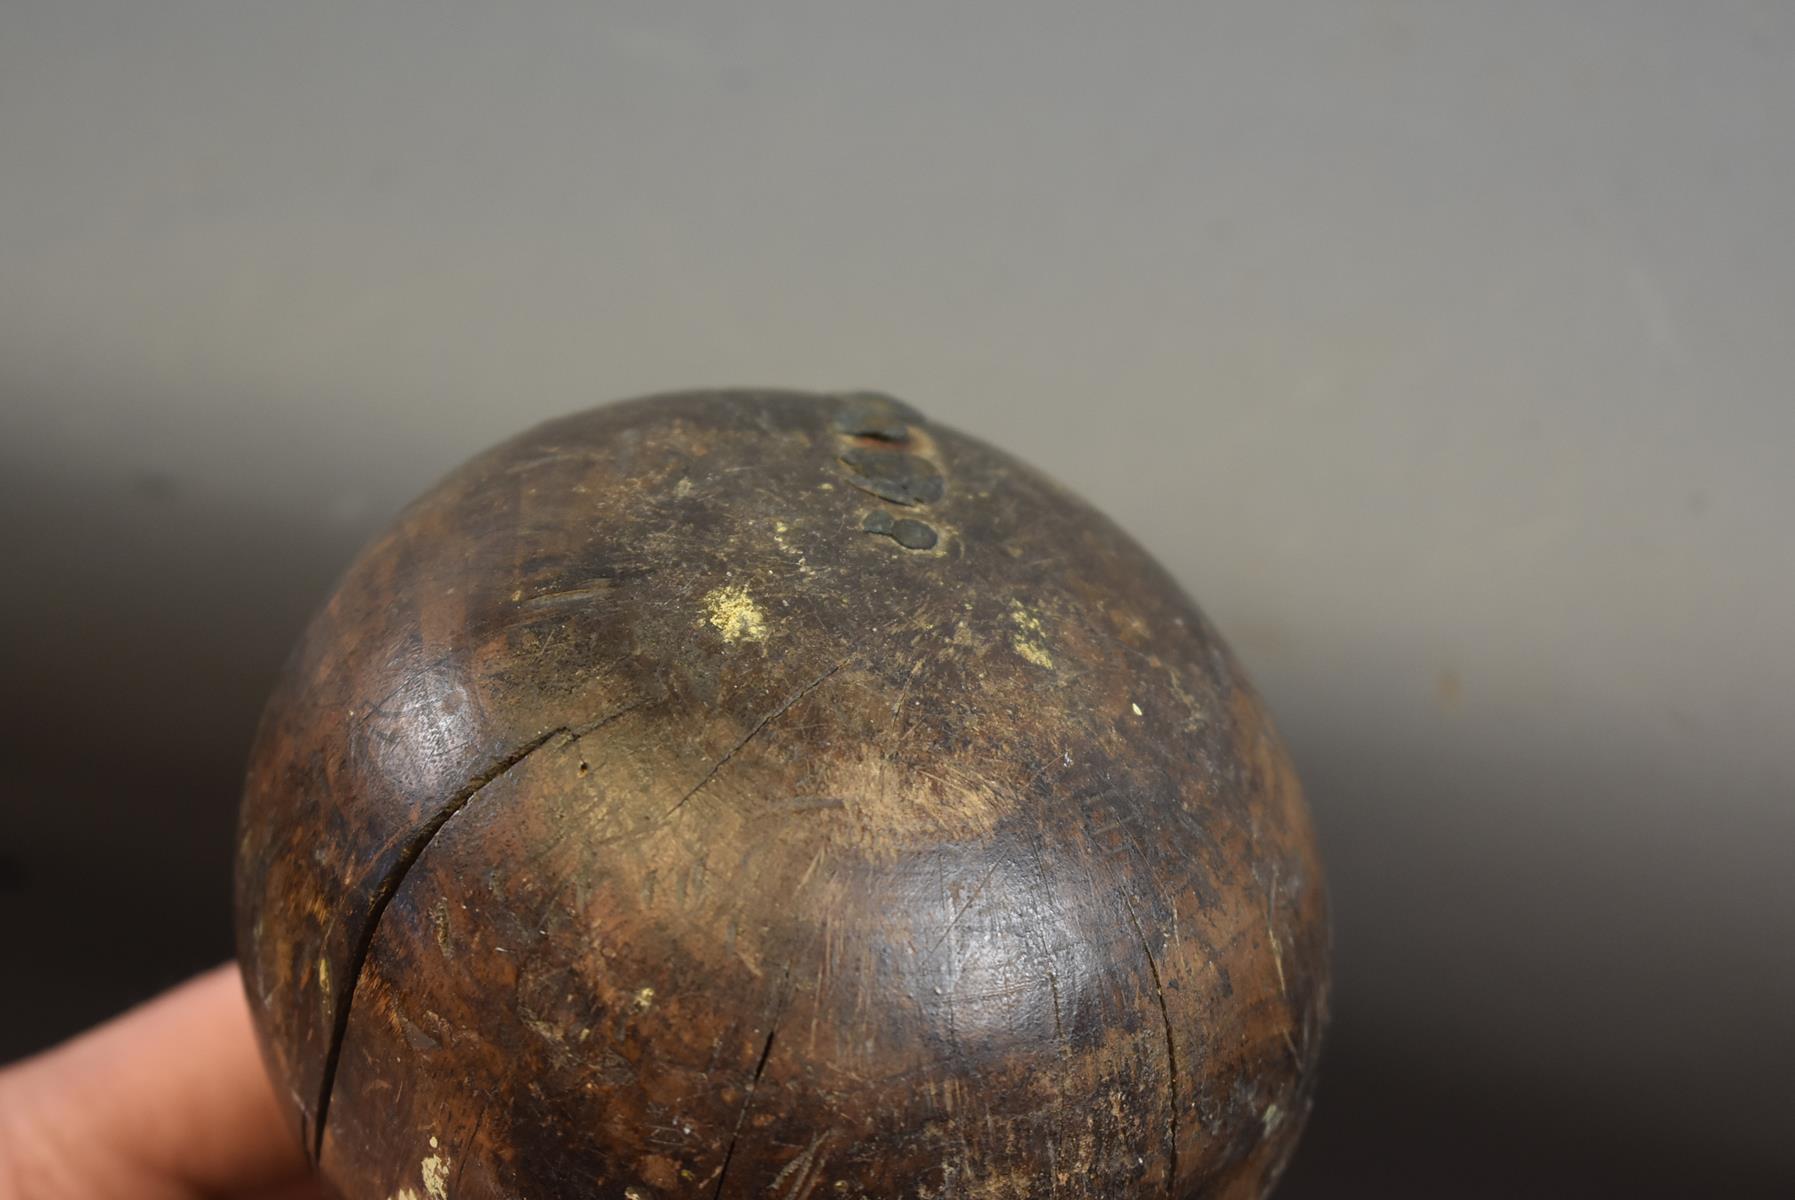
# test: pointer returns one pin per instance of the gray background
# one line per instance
(1442, 349)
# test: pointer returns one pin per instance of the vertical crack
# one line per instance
(742, 1116)
(1165, 1014)
(776, 1013)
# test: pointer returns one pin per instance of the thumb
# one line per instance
(168, 1102)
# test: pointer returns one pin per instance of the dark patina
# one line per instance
(632, 824)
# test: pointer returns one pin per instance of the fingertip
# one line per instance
(172, 1094)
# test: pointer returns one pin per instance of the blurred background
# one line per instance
(1445, 351)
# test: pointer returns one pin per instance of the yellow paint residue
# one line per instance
(435, 1170)
(1027, 638)
(735, 614)
(780, 529)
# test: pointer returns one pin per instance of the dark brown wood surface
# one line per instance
(743, 794)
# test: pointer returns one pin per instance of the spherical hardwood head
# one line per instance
(768, 794)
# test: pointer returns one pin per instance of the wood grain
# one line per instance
(643, 818)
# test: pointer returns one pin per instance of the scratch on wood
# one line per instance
(964, 908)
(570, 595)
(1277, 958)
(759, 726)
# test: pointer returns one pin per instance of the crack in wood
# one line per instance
(409, 853)
(1165, 1014)
(741, 1117)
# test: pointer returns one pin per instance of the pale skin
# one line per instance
(168, 1102)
